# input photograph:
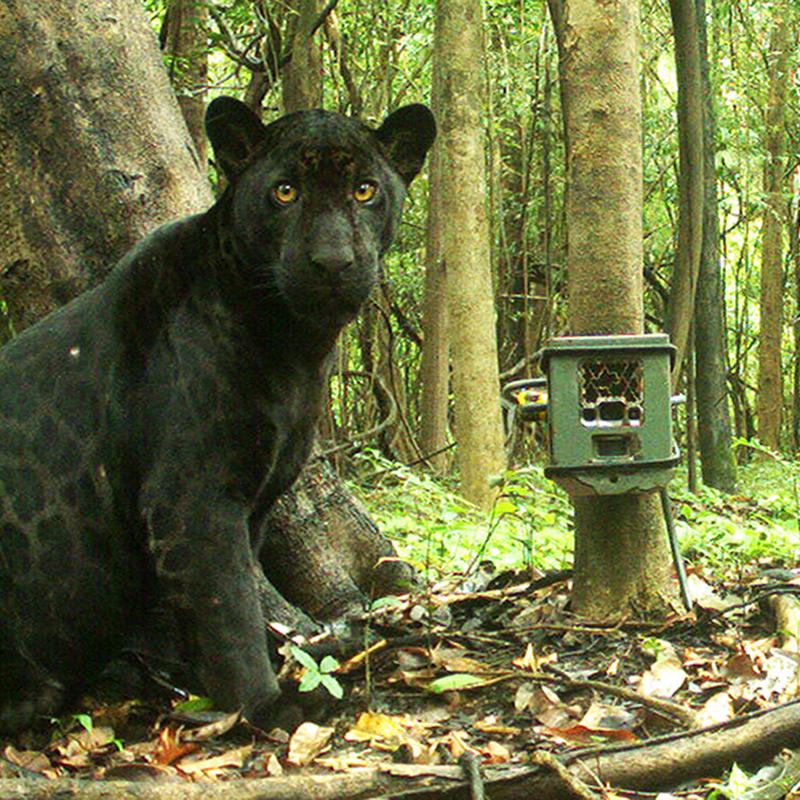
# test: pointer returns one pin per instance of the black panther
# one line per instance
(147, 427)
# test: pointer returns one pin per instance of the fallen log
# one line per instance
(656, 765)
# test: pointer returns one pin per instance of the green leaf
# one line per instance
(304, 659)
(195, 704)
(85, 721)
(451, 683)
(333, 686)
(310, 681)
(328, 664)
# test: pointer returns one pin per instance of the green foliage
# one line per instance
(195, 703)
(318, 674)
(437, 530)
(530, 524)
(452, 683)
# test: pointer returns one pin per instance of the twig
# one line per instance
(472, 768)
(576, 786)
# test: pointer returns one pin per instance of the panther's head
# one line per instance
(314, 199)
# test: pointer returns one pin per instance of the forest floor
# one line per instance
(484, 686)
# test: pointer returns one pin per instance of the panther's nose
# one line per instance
(332, 259)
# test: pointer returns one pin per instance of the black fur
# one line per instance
(147, 427)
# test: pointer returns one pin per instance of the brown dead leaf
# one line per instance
(718, 708)
(664, 678)
(453, 660)
(78, 748)
(217, 728)
(226, 760)
(307, 742)
(370, 726)
(535, 698)
(170, 748)
(601, 716)
(496, 753)
(492, 725)
(584, 735)
(343, 763)
(742, 666)
(31, 760)
(533, 661)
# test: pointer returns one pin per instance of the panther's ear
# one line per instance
(407, 134)
(234, 131)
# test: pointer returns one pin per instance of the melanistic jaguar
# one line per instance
(147, 427)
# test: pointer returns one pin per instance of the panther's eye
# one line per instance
(285, 193)
(365, 191)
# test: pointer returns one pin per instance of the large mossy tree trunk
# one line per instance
(622, 561)
(770, 382)
(94, 153)
(713, 409)
(458, 54)
(93, 150)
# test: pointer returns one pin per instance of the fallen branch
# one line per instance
(652, 766)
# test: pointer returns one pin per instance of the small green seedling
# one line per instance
(317, 674)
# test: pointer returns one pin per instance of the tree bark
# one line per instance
(184, 41)
(465, 248)
(329, 573)
(101, 159)
(622, 562)
(770, 383)
(690, 177)
(435, 366)
(717, 460)
(90, 128)
(302, 76)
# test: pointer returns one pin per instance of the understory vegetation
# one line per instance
(529, 526)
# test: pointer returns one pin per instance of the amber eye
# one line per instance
(285, 193)
(365, 191)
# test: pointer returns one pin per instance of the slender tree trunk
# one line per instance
(465, 248)
(435, 367)
(101, 162)
(713, 412)
(184, 39)
(94, 153)
(690, 177)
(302, 76)
(770, 384)
(622, 562)
(794, 241)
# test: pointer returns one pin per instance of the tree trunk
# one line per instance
(90, 128)
(465, 248)
(102, 159)
(330, 572)
(302, 76)
(435, 366)
(794, 249)
(770, 384)
(184, 40)
(717, 460)
(622, 562)
(690, 177)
